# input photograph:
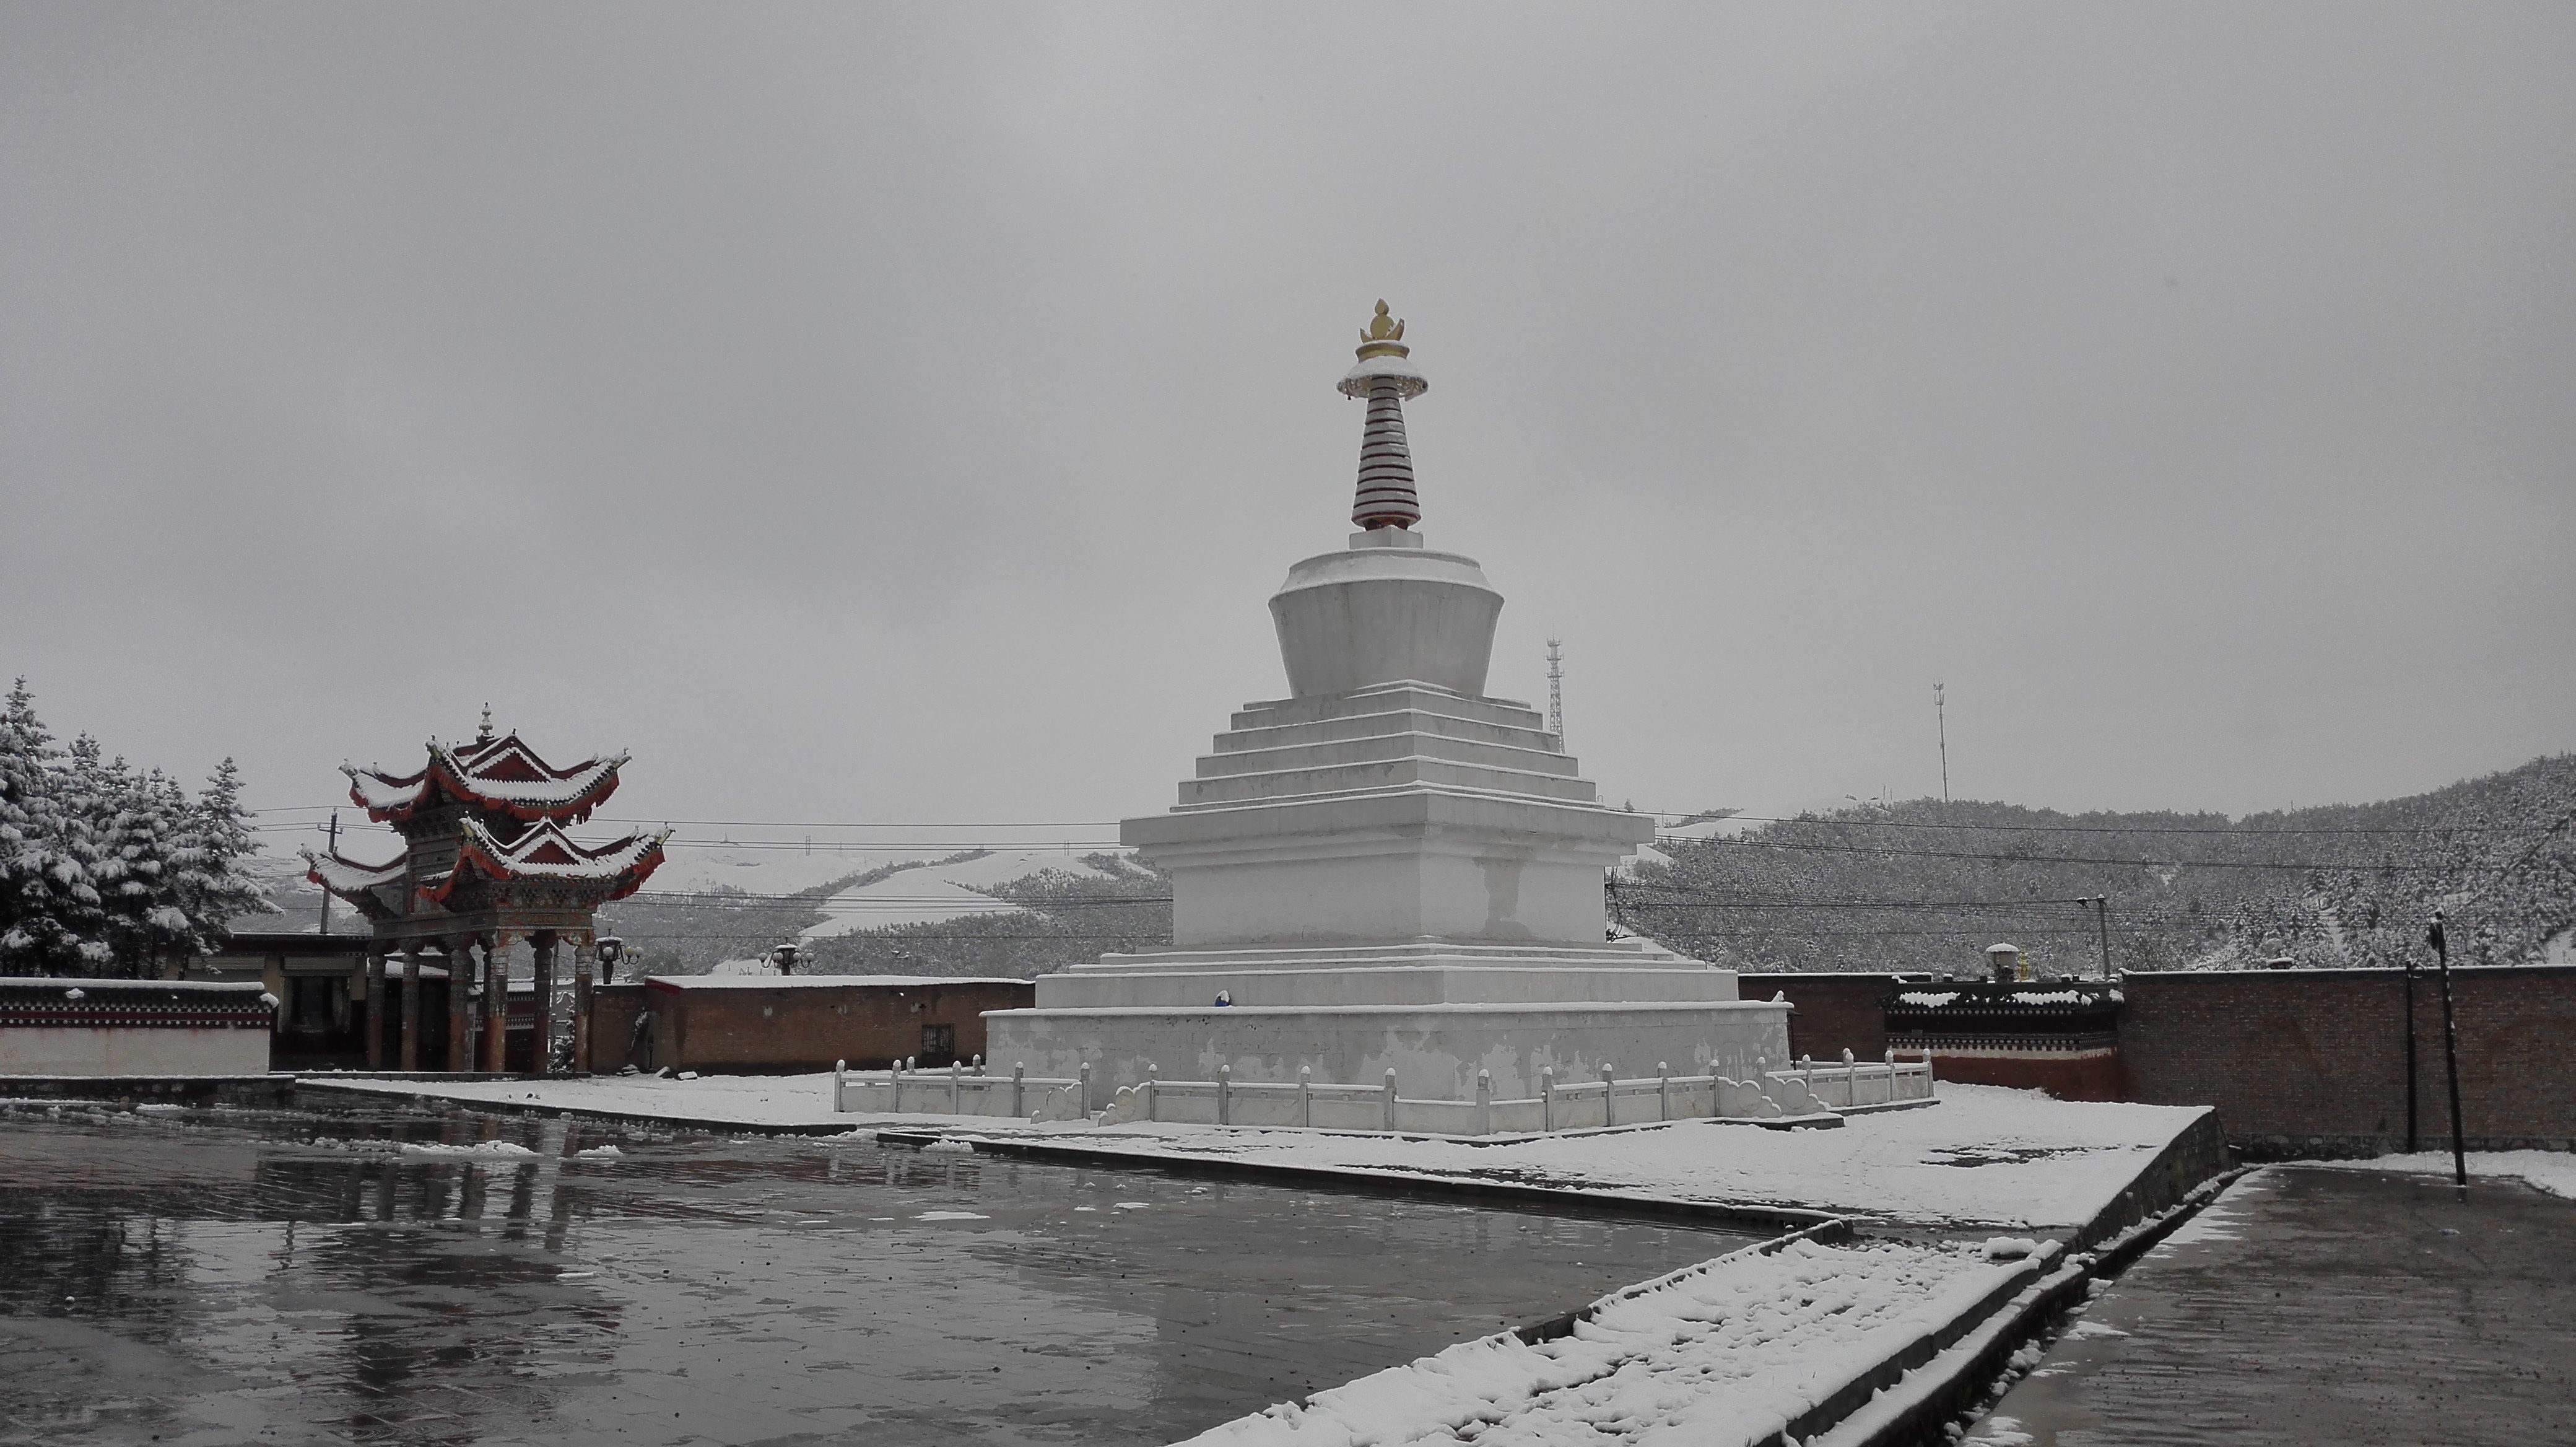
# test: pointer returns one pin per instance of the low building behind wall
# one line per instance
(133, 1027)
(2313, 1062)
(320, 982)
(765, 1024)
(2060, 1036)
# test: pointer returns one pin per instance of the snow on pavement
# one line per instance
(2551, 1171)
(1983, 1156)
(1730, 1351)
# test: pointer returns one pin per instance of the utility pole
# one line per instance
(1556, 689)
(335, 853)
(2411, 1088)
(1941, 720)
(2450, 1051)
(2102, 916)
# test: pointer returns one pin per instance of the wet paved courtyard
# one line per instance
(2316, 1306)
(394, 1275)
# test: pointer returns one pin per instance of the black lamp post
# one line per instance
(785, 956)
(609, 949)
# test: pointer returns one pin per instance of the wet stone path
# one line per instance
(2317, 1306)
(401, 1275)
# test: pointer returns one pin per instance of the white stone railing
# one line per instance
(958, 1090)
(1560, 1105)
(1853, 1084)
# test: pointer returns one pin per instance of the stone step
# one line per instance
(1393, 721)
(1381, 747)
(1381, 698)
(1382, 774)
(1498, 983)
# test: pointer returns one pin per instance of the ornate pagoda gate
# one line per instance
(486, 863)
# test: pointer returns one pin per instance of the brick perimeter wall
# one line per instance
(792, 1028)
(1832, 1014)
(2302, 1062)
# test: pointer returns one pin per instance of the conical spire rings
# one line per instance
(1386, 495)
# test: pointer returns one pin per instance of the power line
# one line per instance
(2077, 859)
(2242, 830)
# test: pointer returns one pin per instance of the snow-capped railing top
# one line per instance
(500, 775)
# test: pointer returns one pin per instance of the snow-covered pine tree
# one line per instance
(116, 840)
(47, 905)
(213, 885)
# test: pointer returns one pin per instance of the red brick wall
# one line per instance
(1832, 1014)
(754, 1029)
(2313, 1061)
(2070, 1077)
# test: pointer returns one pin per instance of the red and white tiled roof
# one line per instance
(545, 851)
(501, 775)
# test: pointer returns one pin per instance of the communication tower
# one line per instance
(1556, 689)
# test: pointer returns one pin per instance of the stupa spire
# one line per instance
(1383, 376)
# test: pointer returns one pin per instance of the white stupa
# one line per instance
(1388, 869)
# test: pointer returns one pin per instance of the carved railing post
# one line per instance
(1484, 1102)
(1390, 1098)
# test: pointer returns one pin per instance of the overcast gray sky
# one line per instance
(903, 412)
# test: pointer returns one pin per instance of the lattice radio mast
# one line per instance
(1556, 689)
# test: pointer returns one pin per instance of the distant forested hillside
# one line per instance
(1067, 918)
(1924, 885)
(1064, 918)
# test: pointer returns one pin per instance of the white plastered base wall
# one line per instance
(111, 1050)
(1435, 1050)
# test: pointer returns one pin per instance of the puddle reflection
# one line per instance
(417, 1276)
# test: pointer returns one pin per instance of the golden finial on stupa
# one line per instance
(1383, 336)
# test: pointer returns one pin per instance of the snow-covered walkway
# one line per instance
(1733, 1351)
(1984, 1156)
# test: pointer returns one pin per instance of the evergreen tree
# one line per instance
(107, 833)
(213, 885)
(45, 894)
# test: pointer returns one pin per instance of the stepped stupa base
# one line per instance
(1435, 1012)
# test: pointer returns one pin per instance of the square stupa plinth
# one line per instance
(1388, 870)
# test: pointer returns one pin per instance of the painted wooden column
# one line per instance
(541, 1046)
(496, 1004)
(460, 1003)
(410, 1006)
(581, 967)
(374, 1014)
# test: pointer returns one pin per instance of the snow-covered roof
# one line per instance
(774, 982)
(545, 851)
(347, 876)
(502, 775)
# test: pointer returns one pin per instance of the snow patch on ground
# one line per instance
(480, 1150)
(1984, 1156)
(1728, 1351)
(2551, 1171)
